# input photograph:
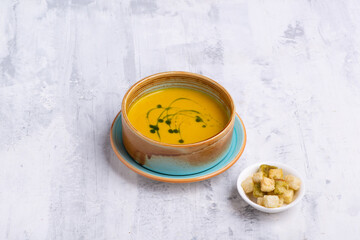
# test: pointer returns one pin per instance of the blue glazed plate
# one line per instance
(236, 149)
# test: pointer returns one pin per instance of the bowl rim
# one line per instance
(285, 167)
(177, 74)
(171, 180)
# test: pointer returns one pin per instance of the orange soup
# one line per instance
(178, 116)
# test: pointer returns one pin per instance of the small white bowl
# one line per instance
(299, 194)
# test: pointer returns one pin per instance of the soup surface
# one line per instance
(178, 116)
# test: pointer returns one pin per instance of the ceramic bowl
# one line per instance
(286, 170)
(177, 159)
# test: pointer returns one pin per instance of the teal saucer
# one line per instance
(236, 149)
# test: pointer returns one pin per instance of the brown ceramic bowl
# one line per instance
(177, 159)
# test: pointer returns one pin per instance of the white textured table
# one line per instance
(293, 68)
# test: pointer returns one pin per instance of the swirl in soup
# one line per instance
(178, 115)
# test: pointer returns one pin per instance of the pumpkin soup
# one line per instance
(178, 116)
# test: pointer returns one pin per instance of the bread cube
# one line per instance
(257, 177)
(271, 201)
(248, 185)
(260, 201)
(293, 182)
(288, 196)
(257, 190)
(267, 184)
(281, 201)
(276, 173)
(265, 169)
(280, 186)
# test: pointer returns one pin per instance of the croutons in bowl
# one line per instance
(271, 187)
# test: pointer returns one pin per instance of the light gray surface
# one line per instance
(292, 68)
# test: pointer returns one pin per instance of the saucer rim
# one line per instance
(175, 180)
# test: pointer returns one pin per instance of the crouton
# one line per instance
(280, 186)
(293, 182)
(257, 177)
(248, 185)
(271, 201)
(288, 196)
(265, 169)
(276, 173)
(267, 184)
(281, 201)
(257, 190)
(260, 201)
